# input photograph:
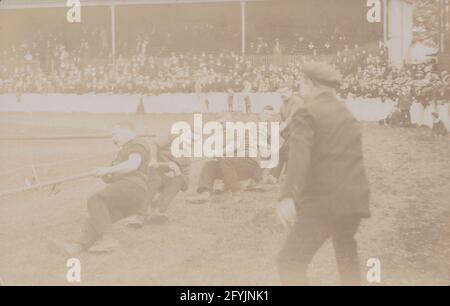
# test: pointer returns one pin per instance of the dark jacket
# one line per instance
(287, 110)
(405, 102)
(325, 172)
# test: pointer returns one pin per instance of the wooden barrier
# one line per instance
(364, 109)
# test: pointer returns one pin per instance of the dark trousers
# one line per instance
(307, 236)
(230, 170)
(283, 159)
(406, 114)
(439, 129)
(162, 187)
(116, 201)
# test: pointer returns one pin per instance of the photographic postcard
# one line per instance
(224, 143)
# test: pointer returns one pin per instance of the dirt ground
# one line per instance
(223, 243)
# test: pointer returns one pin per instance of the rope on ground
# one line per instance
(46, 184)
(59, 162)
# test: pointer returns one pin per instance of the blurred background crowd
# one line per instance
(172, 48)
(198, 48)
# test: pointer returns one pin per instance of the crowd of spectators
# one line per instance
(368, 75)
(140, 74)
(49, 63)
(149, 63)
(53, 46)
(310, 43)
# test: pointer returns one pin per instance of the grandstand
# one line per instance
(242, 19)
(16, 4)
(172, 46)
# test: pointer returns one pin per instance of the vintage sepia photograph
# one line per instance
(224, 143)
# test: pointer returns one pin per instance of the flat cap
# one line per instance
(322, 72)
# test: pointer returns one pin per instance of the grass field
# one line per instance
(223, 243)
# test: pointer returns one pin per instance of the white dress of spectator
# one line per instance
(417, 113)
(444, 114)
(428, 115)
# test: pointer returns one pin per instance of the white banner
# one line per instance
(364, 109)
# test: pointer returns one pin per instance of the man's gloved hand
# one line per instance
(287, 212)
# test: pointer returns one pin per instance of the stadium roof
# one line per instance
(16, 4)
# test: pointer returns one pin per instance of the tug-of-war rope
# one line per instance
(35, 182)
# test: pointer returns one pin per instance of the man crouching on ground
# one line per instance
(122, 197)
(167, 176)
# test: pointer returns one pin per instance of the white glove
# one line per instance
(287, 212)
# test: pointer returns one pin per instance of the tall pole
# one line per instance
(441, 23)
(243, 2)
(385, 21)
(446, 27)
(113, 32)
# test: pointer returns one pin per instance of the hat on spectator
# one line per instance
(322, 73)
